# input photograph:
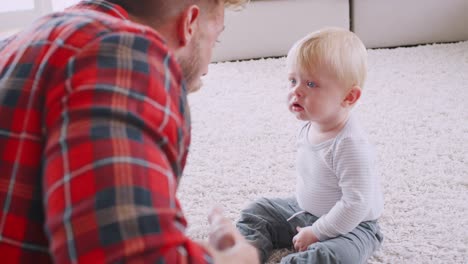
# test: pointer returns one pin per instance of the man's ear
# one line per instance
(188, 24)
(352, 97)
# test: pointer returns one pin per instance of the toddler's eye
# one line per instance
(292, 82)
(311, 84)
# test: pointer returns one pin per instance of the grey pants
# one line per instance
(264, 224)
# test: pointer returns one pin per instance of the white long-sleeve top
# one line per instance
(338, 182)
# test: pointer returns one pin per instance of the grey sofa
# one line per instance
(267, 28)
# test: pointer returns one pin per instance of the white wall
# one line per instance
(268, 28)
(16, 14)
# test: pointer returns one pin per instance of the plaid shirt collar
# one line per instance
(103, 7)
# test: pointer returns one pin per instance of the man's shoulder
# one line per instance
(76, 28)
(62, 35)
(80, 27)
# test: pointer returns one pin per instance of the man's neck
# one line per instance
(166, 31)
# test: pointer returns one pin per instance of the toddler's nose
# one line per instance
(297, 91)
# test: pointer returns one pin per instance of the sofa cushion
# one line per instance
(383, 23)
(268, 28)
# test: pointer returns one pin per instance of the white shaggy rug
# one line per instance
(415, 109)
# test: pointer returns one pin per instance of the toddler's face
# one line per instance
(314, 96)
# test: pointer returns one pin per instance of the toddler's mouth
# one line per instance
(296, 107)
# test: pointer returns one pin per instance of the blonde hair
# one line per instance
(339, 51)
(208, 5)
(158, 11)
(235, 4)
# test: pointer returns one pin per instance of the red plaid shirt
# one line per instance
(94, 133)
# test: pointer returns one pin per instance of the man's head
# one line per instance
(190, 27)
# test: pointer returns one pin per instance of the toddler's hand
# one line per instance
(304, 238)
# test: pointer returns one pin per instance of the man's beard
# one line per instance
(190, 66)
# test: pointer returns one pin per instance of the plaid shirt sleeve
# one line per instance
(117, 139)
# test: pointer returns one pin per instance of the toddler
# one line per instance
(338, 199)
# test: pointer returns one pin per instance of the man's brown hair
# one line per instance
(160, 10)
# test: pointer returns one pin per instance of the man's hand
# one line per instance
(304, 238)
(222, 230)
(225, 244)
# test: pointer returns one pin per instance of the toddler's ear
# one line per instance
(352, 97)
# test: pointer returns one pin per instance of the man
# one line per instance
(94, 134)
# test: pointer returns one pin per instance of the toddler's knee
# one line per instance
(256, 206)
(322, 252)
(315, 253)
